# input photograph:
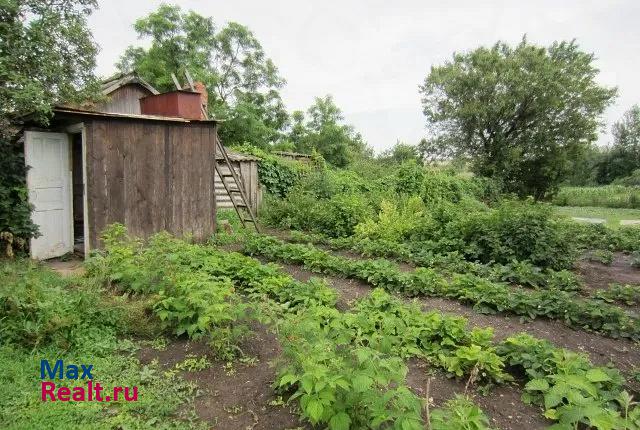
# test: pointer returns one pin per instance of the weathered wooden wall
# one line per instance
(248, 172)
(150, 176)
(125, 99)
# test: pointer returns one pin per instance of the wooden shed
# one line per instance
(246, 167)
(90, 169)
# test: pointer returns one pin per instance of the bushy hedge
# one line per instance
(513, 231)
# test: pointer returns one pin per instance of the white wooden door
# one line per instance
(49, 184)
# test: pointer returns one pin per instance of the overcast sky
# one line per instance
(372, 55)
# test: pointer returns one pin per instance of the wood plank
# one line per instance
(96, 181)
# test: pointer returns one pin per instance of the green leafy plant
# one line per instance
(603, 256)
(459, 413)
(627, 294)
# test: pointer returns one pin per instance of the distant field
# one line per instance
(612, 215)
(609, 196)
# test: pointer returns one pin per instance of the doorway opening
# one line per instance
(77, 193)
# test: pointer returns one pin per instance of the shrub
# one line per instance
(397, 225)
(513, 231)
(16, 227)
(336, 216)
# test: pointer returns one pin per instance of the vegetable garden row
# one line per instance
(347, 369)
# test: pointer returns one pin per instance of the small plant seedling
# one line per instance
(193, 363)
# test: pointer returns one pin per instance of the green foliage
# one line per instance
(38, 309)
(396, 225)
(277, 175)
(598, 236)
(165, 400)
(197, 304)
(410, 178)
(603, 256)
(484, 295)
(610, 196)
(241, 81)
(325, 133)
(513, 231)
(519, 113)
(627, 294)
(623, 158)
(192, 302)
(459, 413)
(569, 387)
(337, 216)
(16, 227)
(445, 186)
(400, 153)
(47, 57)
(345, 387)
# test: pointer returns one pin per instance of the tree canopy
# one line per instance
(325, 132)
(47, 55)
(623, 157)
(519, 113)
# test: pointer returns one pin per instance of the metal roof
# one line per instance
(71, 111)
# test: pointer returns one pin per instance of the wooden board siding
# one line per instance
(150, 176)
(248, 172)
(125, 99)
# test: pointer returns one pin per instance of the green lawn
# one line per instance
(612, 215)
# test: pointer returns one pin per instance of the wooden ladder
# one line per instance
(237, 195)
(242, 207)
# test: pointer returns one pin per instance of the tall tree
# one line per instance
(242, 82)
(623, 157)
(325, 132)
(47, 56)
(520, 113)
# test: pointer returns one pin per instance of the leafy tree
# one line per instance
(325, 132)
(520, 113)
(242, 82)
(47, 56)
(624, 155)
(400, 153)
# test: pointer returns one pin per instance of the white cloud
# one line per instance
(372, 55)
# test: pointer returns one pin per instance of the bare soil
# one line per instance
(236, 397)
(598, 276)
(502, 404)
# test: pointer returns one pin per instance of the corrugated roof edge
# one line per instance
(66, 110)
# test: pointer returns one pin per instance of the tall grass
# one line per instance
(610, 196)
